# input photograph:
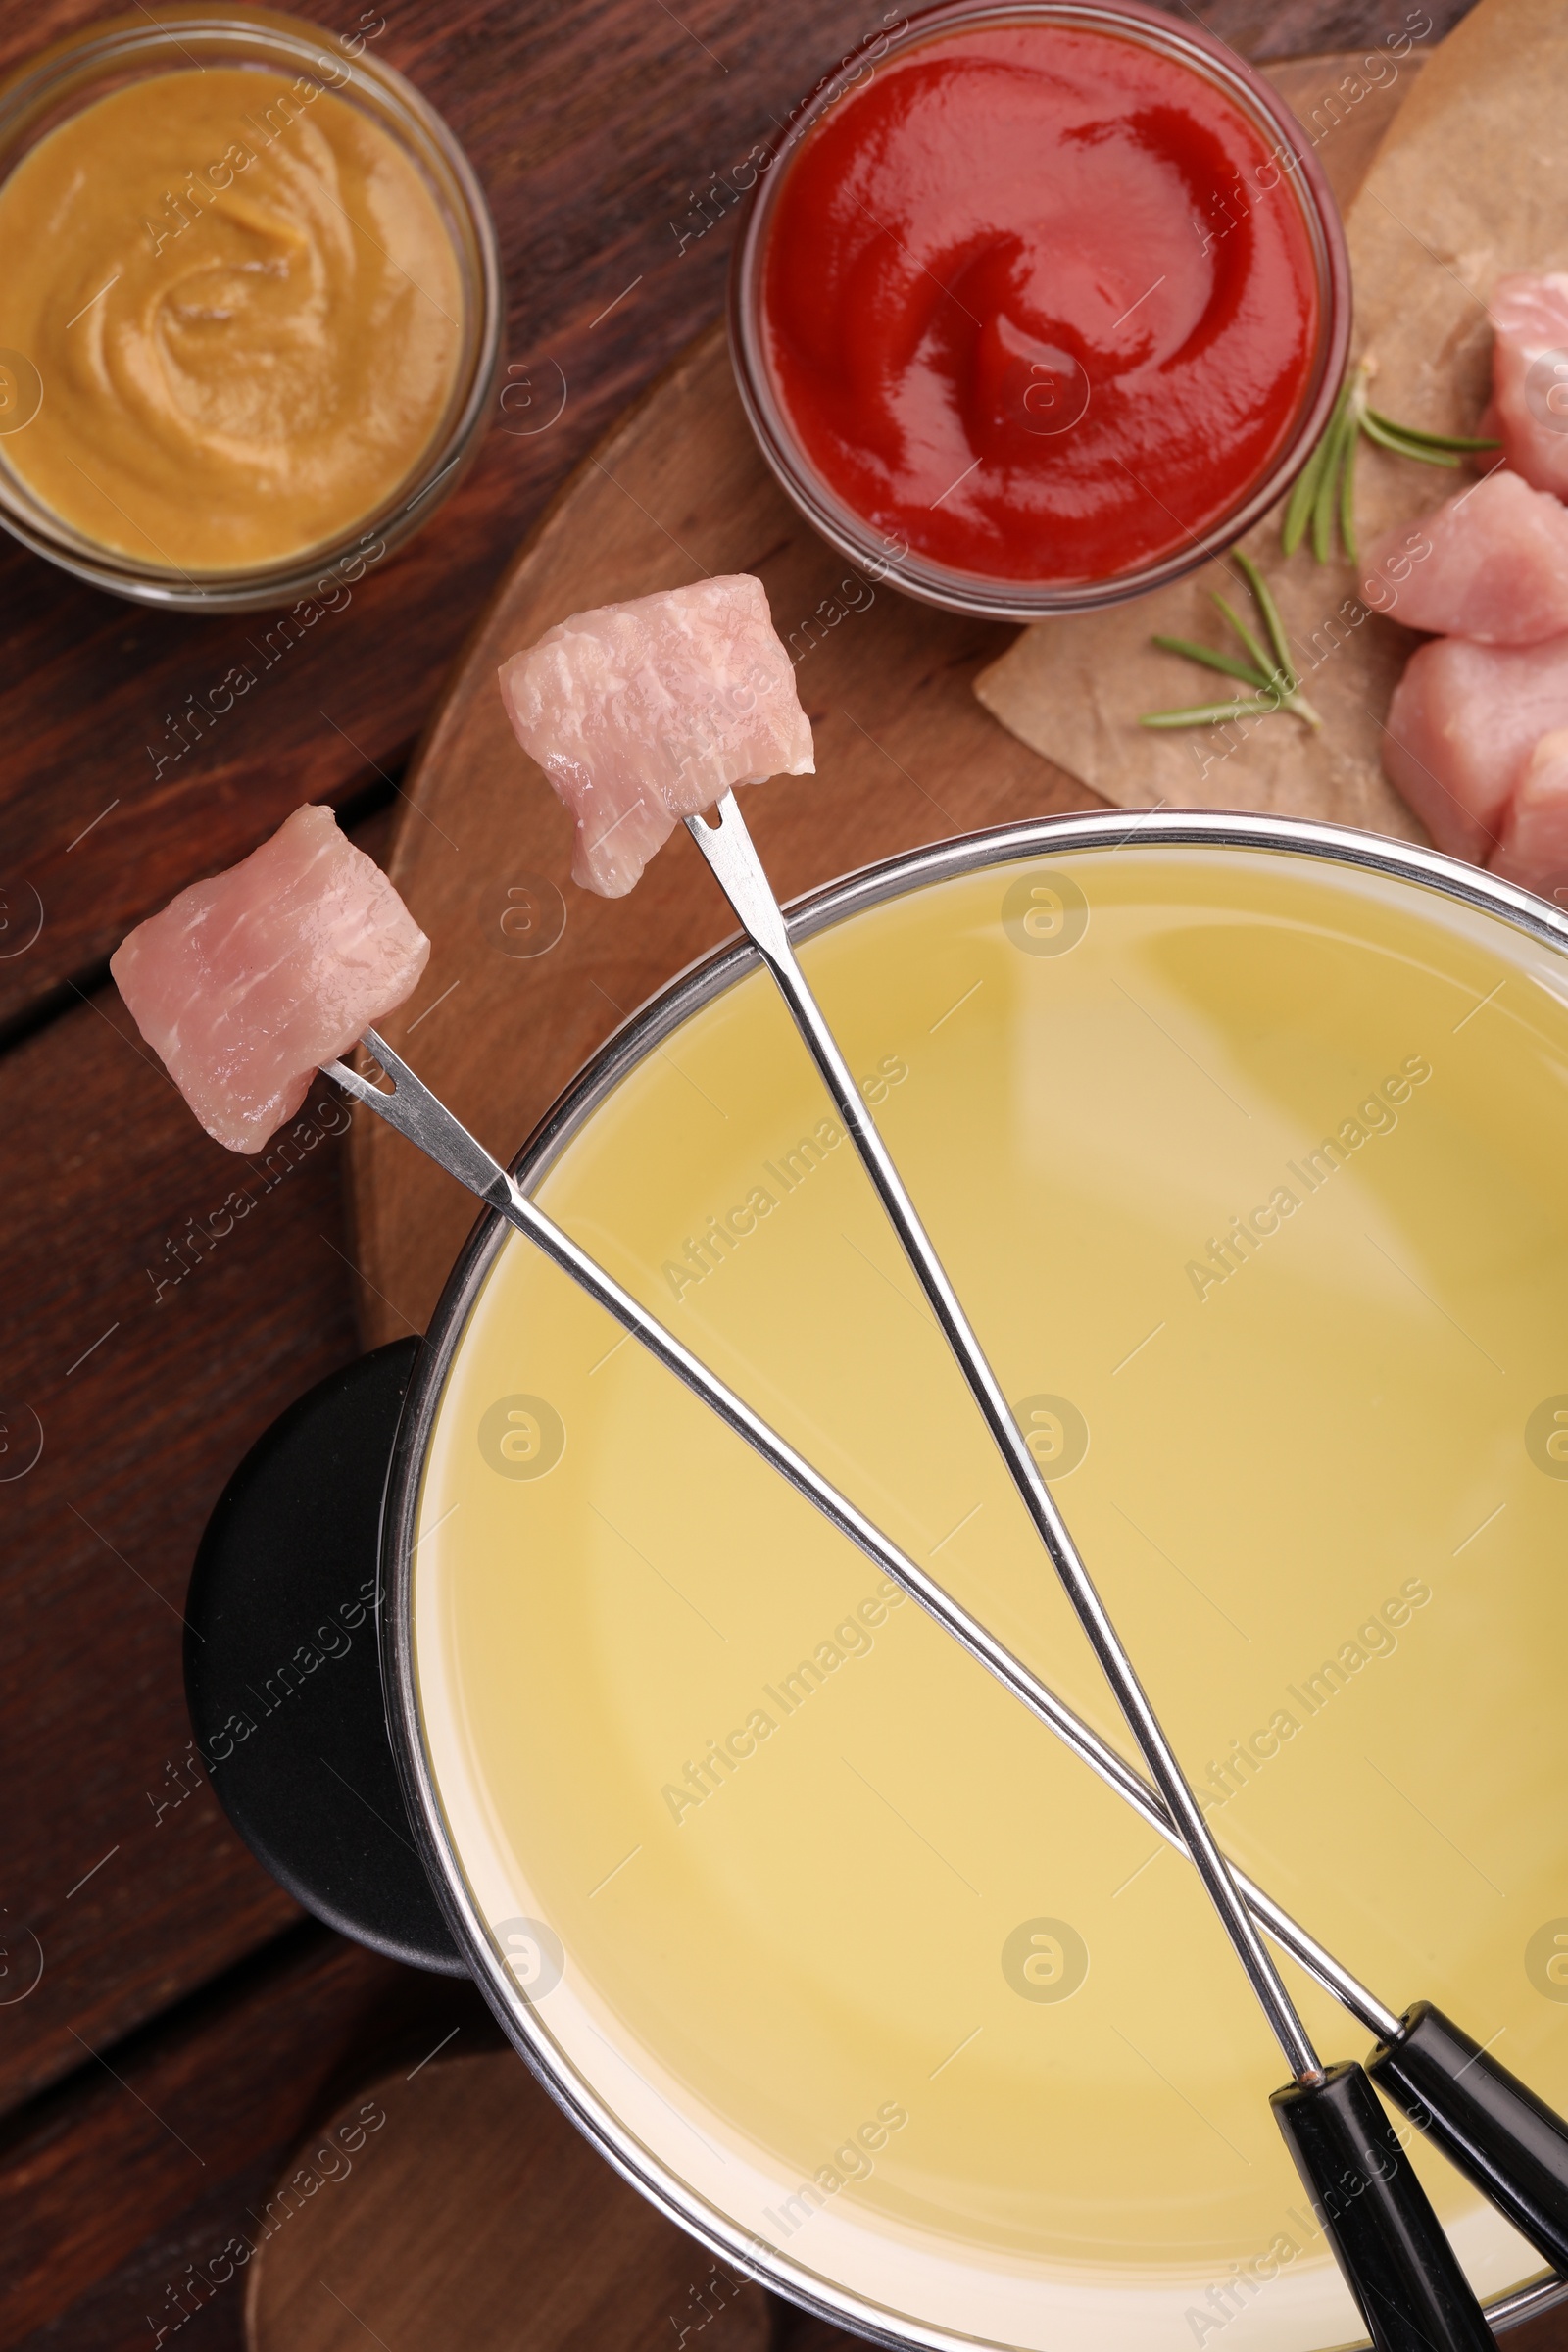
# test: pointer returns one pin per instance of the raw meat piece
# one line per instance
(644, 712)
(1533, 847)
(1490, 563)
(246, 983)
(1530, 377)
(1463, 722)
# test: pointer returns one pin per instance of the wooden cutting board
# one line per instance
(527, 974)
(456, 2208)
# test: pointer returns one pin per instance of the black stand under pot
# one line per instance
(283, 1666)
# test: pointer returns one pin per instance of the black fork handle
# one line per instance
(1378, 2219)
(1485, 2120)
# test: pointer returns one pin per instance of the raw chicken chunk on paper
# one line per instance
(1462, 724)
(1530, 377)
(246, 984)
(645, 713)
(1490, 563)
(1534, 846)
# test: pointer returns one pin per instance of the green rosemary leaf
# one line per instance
(1213, 659)
(1267, 670)
(1393, 438)
(1310, 483)
(1413, 432)
(1303, 493)
(1271, 618)
(1209, 715)
(1271, 673)
(1324, 495)
(1327, 499)
(1347, 495)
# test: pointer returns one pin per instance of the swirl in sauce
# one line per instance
(245, 309)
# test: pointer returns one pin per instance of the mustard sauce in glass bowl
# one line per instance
(250, 321)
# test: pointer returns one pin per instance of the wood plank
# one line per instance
(146, 1399)
(117, 2183)
(507, 2224)
(106, 1173)
(1290, 28)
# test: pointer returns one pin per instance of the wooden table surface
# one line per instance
(168, 2023)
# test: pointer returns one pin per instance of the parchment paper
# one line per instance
(1471, 180)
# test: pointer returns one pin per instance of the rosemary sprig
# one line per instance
(1325, 487)
(1270, 674)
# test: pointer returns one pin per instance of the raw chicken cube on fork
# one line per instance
(645, 713)
(246, 983)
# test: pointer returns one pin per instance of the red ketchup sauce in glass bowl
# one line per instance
(1038, 306)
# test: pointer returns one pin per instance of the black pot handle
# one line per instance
(284, 1671)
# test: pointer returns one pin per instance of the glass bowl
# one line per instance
(112, 53)
(985, 595)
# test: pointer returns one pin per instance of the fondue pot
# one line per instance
(1242, 1141)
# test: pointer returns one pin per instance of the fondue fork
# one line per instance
(1509, 2143)
(1390, 2250)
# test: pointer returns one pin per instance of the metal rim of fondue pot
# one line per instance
(1059, 838)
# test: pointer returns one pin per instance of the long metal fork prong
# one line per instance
(416, 1113)
(728, 848)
